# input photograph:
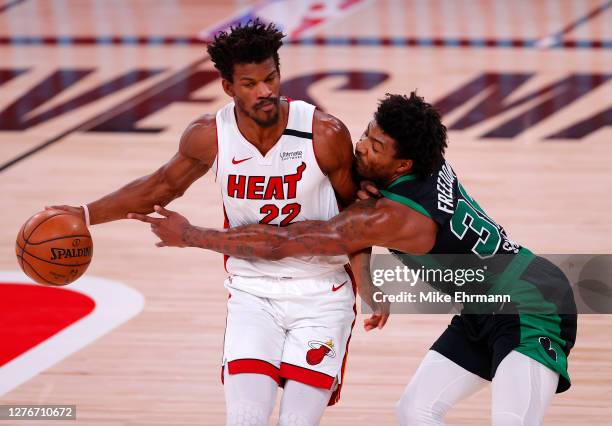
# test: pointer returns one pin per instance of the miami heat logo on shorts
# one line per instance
(319, 350)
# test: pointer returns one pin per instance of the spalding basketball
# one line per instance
(54, 247)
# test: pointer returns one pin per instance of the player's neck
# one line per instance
(263, 138)
(395, 177)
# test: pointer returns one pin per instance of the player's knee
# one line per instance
(246, 413)
(507, 418)
(411, 410)
(408, 413)
(294, 419)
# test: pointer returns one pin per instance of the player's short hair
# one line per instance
(251, 43)
(416, 128)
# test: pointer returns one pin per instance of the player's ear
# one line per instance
(228, 87)
(404, 166)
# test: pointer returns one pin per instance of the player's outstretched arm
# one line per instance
(348, 232)
(380, 222)
(196, 154)
(366, 223)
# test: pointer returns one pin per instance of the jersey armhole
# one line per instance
(215, 166)
(314, 149)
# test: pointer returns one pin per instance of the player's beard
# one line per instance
(363, 171)
(368, 171)
(272, 116)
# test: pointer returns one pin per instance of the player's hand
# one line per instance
(169, 228)
(367, 190)
(377, 320)
(379, 317)
(380, 310)
(77, 211)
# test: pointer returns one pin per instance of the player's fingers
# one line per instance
(363, 195)
(366, 184)
(370, 323)
(372, 190)
(162, 211)
(369, 187)
(383, 320)
(143, 218)
(367, 321)
(378, 320)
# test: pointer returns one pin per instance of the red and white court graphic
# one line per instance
(42, 325)
(296, 18)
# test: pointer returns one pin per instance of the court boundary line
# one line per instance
(583, 20)
(555, 39)
(178, 41)
(10, 5)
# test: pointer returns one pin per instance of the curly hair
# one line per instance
(253, 42)
(416, 128)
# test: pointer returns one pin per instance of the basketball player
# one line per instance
(277, 161)
(424, 209)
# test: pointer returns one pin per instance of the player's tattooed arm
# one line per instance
(366, 223)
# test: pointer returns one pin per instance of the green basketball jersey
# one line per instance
(463, 226)
(469, 238)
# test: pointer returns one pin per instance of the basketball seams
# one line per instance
(25, 225)
(40, 267)
(23, 228)
(36, 272)
(25, 242)
(20, 259)
(36, 227)
(59, 238)
(47, 261)
(52, 223)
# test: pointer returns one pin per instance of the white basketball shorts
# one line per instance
(301, 334)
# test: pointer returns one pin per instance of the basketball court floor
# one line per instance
(95, 93)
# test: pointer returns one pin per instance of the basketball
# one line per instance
(54, 247)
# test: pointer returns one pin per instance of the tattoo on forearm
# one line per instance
(298, 239)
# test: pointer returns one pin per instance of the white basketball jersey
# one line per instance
(284, 186)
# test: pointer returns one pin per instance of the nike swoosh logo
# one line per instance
(334, 288)
(234, 161)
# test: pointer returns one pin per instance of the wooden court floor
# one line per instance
(97, 93)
